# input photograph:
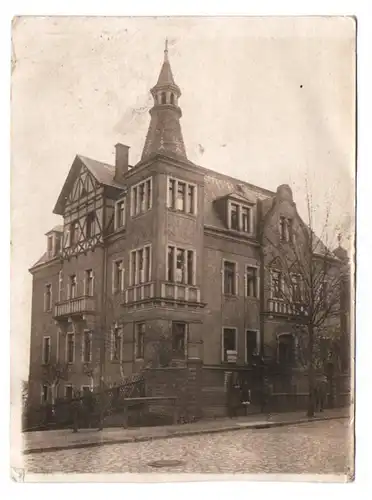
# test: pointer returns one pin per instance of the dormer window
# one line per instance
(53, 244)
(50, 246)
(234, 216)
(240, 217)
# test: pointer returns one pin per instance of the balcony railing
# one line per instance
(75, 306)
(139, 292)
(180, 291)
(280, 307)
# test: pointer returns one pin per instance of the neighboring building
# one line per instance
(161, 252)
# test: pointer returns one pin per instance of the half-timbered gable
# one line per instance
(89, 191)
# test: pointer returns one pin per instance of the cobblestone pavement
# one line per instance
(318, 447)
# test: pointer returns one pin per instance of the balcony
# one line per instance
(277, 306)
(137, 293)
(180, 291)
(77, 306)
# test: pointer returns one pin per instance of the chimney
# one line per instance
(121, 161)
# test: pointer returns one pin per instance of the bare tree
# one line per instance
(52, 373)
(307, 280)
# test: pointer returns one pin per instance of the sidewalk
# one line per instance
(43, 441)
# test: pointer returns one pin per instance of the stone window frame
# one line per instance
(236, 278)
(257, 285)
(117, 212)
(241, 206)
(172, 204)
(186, 249)
(43, 360)
(135, 208)
(48, 306)
(136, 340)
(225, 327)
(146, 263)
(258, 342)
(114, 276)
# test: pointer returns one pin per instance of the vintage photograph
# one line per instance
(183, 238)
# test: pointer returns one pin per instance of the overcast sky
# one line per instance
(266, 100)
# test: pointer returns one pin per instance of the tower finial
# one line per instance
(166, 50)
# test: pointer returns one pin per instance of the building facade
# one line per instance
(164, 258)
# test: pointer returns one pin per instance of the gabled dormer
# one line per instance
(54, 241)
(237, 212)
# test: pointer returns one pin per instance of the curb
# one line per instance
(175, 434)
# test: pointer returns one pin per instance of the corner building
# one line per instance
(158, 259)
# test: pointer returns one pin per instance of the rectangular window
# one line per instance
(277, 284)
(67, 231)
(140, 265)
(74, 232)
(141, 197)
(118, 276)
(50, 246)
(181, 196)
(181, 265)
(89, 283)
(70, 347)
(87, 347)
(172, 194)
(296, 288)
(229, 278)
(48, 297)
(139, 340)
(119, 214)
(251, 282)
(285, 229)
(46, 350)
(44, 393)
(179, 340)
(246, 215)
(229, 342)
(251, 345)
(170, 264)
(60, 285)
(58, 244)
(73, 286)
(68, 391)
(234, 216)
(190, 199)
(90, 224)
(116, 345)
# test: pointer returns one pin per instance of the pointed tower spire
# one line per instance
(164, 134)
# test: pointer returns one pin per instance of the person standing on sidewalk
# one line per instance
(266, 397)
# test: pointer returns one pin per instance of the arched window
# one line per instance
(163, 98)
(172, 98)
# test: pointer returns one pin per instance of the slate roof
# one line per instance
(103, 172)
(218, 185)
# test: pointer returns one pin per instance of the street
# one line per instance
(319, 447)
